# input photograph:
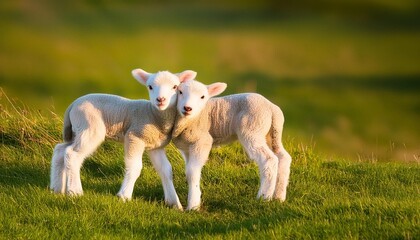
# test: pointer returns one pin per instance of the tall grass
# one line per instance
(327, 199)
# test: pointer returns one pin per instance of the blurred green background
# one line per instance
(346, 73)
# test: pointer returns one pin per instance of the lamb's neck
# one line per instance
(182, 123)
(164, 119)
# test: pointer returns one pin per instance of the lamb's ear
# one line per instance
(216, 88)
(140, 75)
(187, 75)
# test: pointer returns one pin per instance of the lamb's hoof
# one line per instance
(280, 199)
(193, 209)
(74, 193)
(178, 207)
(175, 205)
(57, 192)
(123, 198)
(264, 197)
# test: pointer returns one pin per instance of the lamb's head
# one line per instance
(193, 96)
(162, 85)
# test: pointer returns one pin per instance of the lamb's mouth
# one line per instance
(185, 113)
(160, 105)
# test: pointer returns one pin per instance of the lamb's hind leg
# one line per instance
(133, 152)
(267, 164)
(283, 173)
(58, 173)
(84, 145)
(164, 169)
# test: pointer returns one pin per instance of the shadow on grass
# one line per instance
(18, 175)
(10, 139)
(260, 220)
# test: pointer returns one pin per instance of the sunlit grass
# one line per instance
(326, 198)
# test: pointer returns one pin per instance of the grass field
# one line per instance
(326, 199)
(345, 73)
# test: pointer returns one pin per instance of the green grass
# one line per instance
(327, 199)
(346, 75)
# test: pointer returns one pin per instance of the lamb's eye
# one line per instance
(202, 97)
(180, 92)
(174, 87)
(150, 87)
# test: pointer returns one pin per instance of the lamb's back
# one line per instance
(115, 112)
(230, 114)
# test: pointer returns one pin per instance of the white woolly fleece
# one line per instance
(203, 122)
(140, 124)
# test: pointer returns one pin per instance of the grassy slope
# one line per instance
(326, 199)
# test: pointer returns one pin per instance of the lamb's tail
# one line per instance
(276, 129)
(67, 128)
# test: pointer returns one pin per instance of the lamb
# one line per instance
(204, 122)
(140, 124)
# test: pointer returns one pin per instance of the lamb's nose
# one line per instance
(160, 99)
(187, 108)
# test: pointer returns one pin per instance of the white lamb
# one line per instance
(140, 124)
(252, 119)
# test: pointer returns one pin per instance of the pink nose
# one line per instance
(160, 99)
(188, 109)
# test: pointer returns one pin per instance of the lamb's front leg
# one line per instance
(164, 168)
(133, 152)
(197, 157)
